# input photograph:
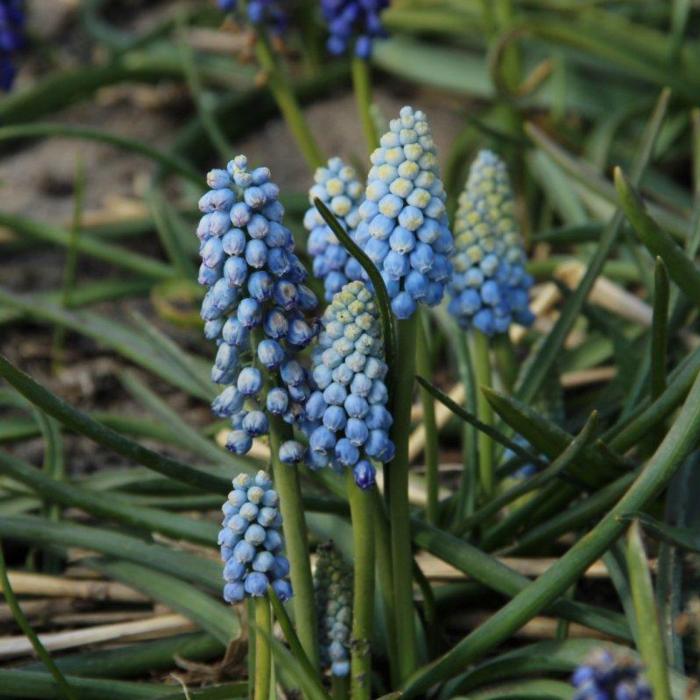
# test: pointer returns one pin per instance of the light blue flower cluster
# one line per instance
(403, 227)
(354, 19)
(250, 541)
(349, 406)
(605, 677)
(333, 594)
(255, 304)
(489, 286)
(337, 186)
(268, 12)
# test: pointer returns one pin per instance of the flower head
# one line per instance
(403, 227)
(12, 20)
(250, 541)
(357, 20)
(333, 593)
(489, 285)
(337, 186)
(256, 303)
(268, 12)
(608, 677)
(347, 411)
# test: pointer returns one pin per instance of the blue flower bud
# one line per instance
(364, 474)
(270, 354)
(277, 401)
(291, 452)
(238, 442)
(255, 423)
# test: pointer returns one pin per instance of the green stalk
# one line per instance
(296, 539)
(506, 361)
(280, 87)
(65, 690)
(399, 512)
(659, 330)
(340, 688)
(71, 268)
(263, 654)
(362, 515)
(482, 373)
(362, 85)
(424, 367)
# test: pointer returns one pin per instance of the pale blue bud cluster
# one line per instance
(403, 227)
(348, 407)
(250, 541)
(333, 595)
(338, 187)
(256, 288)
(489, 286)
(607, 677)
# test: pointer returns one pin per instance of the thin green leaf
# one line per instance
(65, 690)
(682, 269)
(82, 133)
(651, 646)
(539, 370)
(109, 505)
(39, 532)
(169, 239)
(524, 690)
(221, 621)
(83, 424)
(679, 441)
(683, 537)
(492, 432)
(659, 330)
(563, 461)
(388, 327)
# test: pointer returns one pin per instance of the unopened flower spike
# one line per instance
(256, 305)
(251, 541)
(271, 13)
(347, 416)
(12, 20)
(357, 21)
(403, 227)
(489, 286)
(333, 593)
(606, 676)
(338, 187)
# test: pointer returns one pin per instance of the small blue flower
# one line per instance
(346, 416)
(333, 594)
(255, 283)
(12, 21)
(338, 187)
(605, 676)
(353, 20)
(268, 12)
(250, 541)
(403, 221)
(489, 286)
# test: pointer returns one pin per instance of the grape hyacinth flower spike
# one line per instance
(403, 221)
(12, 20)
(251, 543)
(354, 20)
(271, 13)
(255, 305)
(608, 677)
(348, 407)
(337, 186)
(489, 286)
(333, 590)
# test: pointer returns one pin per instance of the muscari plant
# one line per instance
(607, 476)
(12, 20)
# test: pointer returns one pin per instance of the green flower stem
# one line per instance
(482, 373)
(64, 689)
(424, 367)
(362, 515)
(340, 688)
(296, 539)
(399, 512)
(362, 84)
(382, 547)
(506, 361)
(280, 87)
(263, 653)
